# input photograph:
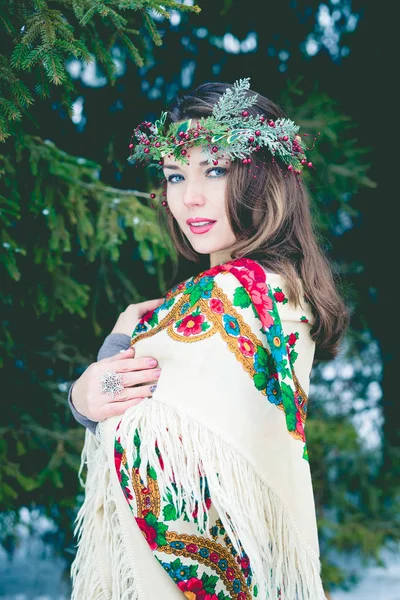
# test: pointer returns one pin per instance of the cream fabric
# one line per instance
(207, 398)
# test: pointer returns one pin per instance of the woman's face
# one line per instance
(196, 195)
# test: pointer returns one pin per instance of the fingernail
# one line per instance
(153, 362)
(152, 388)
(157, 372)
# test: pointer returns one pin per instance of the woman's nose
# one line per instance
(193, 195)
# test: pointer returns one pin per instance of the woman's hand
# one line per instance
(131, 315)
(139, 375)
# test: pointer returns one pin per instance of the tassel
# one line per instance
(102, 569)
(252, 512)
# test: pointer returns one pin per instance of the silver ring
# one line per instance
(111, 383)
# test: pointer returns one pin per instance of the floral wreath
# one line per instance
(230, 130)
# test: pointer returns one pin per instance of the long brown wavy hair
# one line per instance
(271, 219)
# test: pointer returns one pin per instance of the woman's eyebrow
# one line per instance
(175, 167)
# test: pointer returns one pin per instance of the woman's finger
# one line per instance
(139, 377)
(135, 364)
(117, 408)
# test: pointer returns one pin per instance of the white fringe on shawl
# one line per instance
(249, 508)
(97, 577)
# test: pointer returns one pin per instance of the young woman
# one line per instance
(203, 489)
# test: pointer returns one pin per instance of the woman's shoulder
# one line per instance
(267, 289)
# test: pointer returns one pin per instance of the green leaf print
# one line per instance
(195, 295)
(124, 479)
(262, 357)
(136, 439)
(288, 373)
(151, 519)
(293, 356)
(152, 473)
(206, 286)
(161, 540)
(305, 452)
(289, 406)
(169, 512)
(138, 462)
(118, 447)
(153, 319)
(241, 298)
(260, 381)
(169, 303)
(177, 564)
(193, 570)
(209, 582)
(205, 326)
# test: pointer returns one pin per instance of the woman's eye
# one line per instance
(171, 178)
(220, 171)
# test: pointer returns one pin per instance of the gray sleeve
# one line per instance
(115, 342)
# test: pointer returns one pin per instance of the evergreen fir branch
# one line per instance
(151, 28)
(175, 5)
(236, 96)
(132, 50)
(18, 90)
(4, 129)
(102, 53)
(9, 110)
(6, 24)
(45, 38)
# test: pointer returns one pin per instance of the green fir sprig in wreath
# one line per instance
(230, 131)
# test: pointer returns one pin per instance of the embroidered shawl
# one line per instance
(204, 489)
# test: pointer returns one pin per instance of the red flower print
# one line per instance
(160, 459)
(191, 325)
(262, 303)
(216, 306)
(117, 462)
(214, 557)
(213, 271)
(279, 296)
(146, 317)
(230, 574)
(244, 562)
(196, 510)
(192, 548)
(193, 590)
(241, 596)
(299, 426)
(246, 347)
(127, 493)
(148, 531)
(292, 339)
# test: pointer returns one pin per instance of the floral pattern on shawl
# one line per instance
(203, 310)
(204, 568)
